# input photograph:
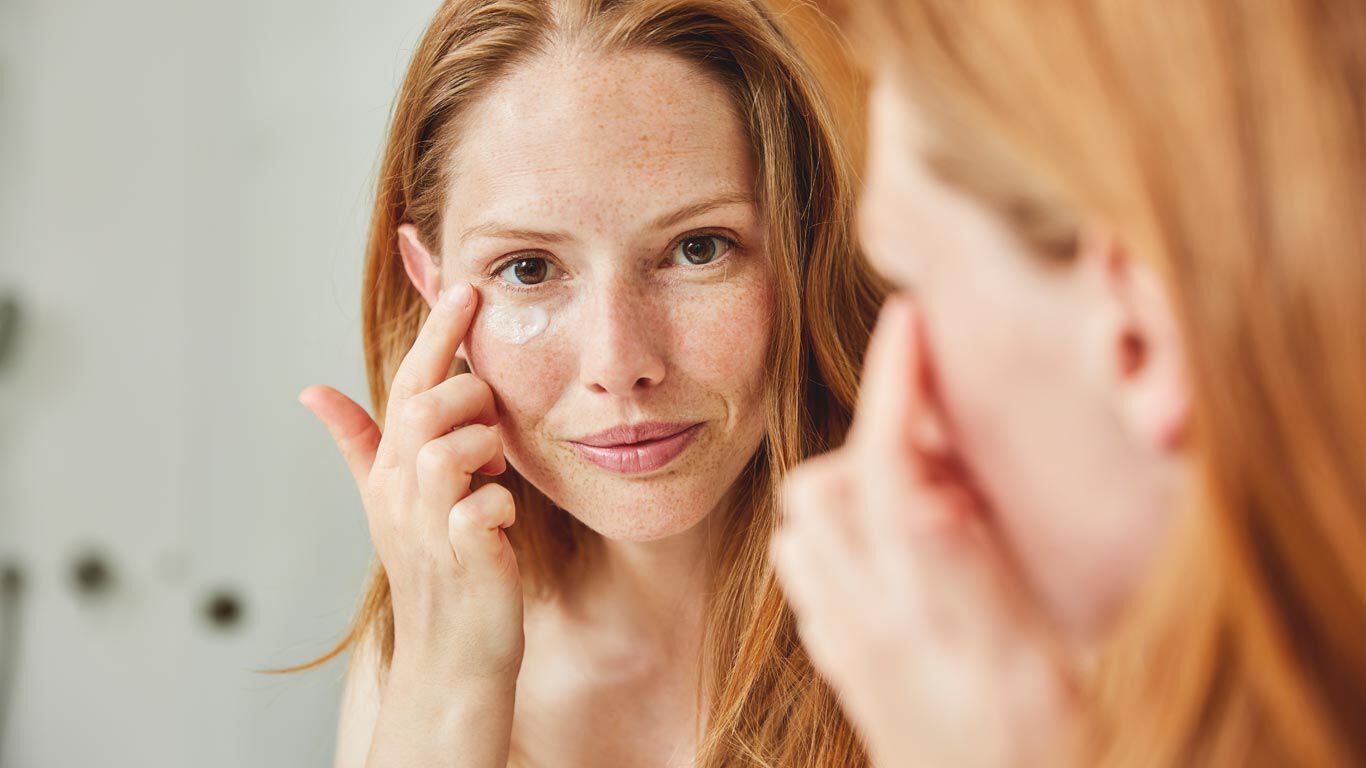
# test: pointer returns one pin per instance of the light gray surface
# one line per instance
(184, 191)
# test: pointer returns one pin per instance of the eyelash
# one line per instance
(509, 261)
(732, 245)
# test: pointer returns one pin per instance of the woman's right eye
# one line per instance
(530, 270)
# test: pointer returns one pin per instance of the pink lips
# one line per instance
(632, 449)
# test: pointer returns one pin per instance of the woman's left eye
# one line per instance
(700, 249)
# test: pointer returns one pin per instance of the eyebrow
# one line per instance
(697, 209)
(496, 230)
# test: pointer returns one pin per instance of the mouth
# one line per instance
(635, 449)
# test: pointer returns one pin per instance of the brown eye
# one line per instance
(528, 271)
(699, 250)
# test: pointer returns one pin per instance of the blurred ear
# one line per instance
(1142, 348)
(422, 269)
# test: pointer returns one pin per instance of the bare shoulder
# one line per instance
(359, 706)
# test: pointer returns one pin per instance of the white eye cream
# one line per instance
(516, 325)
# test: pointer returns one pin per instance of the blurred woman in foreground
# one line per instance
(1103, 500)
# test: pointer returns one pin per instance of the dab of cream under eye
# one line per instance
(516, 325)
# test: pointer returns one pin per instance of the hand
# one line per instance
(454, 583)
(904, 599)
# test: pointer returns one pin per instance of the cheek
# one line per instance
(887, 230)
(984, 334)
(720, 333)
(999, 381)
(1038, 438)
(527, 377)
(715, 337)
(975, 365)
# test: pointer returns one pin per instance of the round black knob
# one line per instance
(223, 609)
(9, 327)
(91, 574)
(11, 579)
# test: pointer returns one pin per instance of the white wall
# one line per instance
(184, 191)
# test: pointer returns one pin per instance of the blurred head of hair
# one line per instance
(1225, 145)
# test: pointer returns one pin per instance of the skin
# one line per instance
(599, 165)
(603, 159)
(1014, 469)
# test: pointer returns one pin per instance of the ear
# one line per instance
(424, 272)
(1142, 350)
(422, 269)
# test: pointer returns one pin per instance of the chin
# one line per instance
(638, 513)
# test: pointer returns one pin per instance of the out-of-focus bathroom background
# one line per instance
(184, 194)
(184, 191)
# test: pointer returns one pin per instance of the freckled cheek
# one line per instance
(722, 337)
(526, 378)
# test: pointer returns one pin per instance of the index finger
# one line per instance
(429, 360)
(891, 393)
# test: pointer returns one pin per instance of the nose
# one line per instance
(622, 347)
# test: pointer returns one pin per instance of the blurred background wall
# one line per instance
(184, 193)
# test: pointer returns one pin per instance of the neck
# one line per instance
(660, 584)
(654, 591)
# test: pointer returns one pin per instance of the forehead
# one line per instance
(593, 134)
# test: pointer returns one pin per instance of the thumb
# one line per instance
(355, 433)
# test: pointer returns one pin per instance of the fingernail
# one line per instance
(456, 295)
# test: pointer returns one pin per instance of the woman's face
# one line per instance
(1055, 382)
(604, 209)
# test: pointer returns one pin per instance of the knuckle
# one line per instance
(435, 457)
(488, 506)
(501, 501)
(404, 382)
(501, 495)
(422, 410)
(468, 447)
(458, 520)
(484, 436)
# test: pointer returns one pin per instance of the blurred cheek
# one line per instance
(973, 366)
(1015, 373)
(884, 229)
(1036, 438)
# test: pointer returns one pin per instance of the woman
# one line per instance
(1103, 501)
(609, 261)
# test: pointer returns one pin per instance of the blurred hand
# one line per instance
(904, 599)
(456, 592)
